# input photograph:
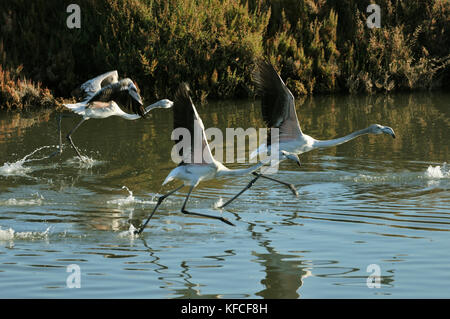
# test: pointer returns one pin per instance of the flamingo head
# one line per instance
(292, 157)
(380, 129)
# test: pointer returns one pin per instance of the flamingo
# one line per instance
(105, 96)
(278, 111)
(198, 163)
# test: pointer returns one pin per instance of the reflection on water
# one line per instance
(373, 200)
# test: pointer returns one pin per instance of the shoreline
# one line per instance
(327, 48)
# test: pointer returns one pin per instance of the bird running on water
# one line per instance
(278, 110)
(198, 163)
(105, 96)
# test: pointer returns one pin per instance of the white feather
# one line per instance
(79, 108)
(261, 149)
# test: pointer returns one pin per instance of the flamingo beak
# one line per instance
(388, 130)
(292, 157)
(169, 104)
(136, 97)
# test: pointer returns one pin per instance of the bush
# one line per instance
(19, 94)
(158, 43)
(318, 46)
(325, 46)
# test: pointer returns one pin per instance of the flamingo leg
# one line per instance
(160, 200)
(69, 137)
(290, 186)
(58, 121)
(243, 190)
(59, 133)
(59, 151)
(184, 211)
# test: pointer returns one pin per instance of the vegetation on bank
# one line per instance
(326, 46)
(318, 46)
(18, 93)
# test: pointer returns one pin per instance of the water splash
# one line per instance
(11, 169)
(11, 234)
(130, 200)
(437, 172)
(24, 202)
(83, 162)
(18, 168)
(123, 201)
(218, 203)
(7, 234)
(432, 173)
(130, 233)
(366, 178)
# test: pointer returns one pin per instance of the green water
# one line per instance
(374, 200)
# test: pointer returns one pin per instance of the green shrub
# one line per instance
(20, 93)
(318, 46)
(158, 43)
(325, 46)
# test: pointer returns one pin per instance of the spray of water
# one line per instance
(130, 233)
(37, 200)
(129, 200)
(218, 203)
(84, 162)
(18, 168)
(437, 172)
(11, 234)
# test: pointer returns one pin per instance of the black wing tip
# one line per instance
(141, 111)
(182, 94)
(263, 64)
(183, 89)
(264, 75)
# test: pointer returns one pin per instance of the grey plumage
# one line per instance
(118, 92)
(184, 116)
(277, 102)
(106, 88)
(92, 86)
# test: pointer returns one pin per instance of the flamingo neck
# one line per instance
(238, 172)
(130, 116)
(154, 106)
(340, 140)
(116, 110)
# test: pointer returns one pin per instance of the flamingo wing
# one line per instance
(86, 90)
(277, 102)
(119, 93)
(186, 116)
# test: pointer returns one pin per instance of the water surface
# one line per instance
(374, 200)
